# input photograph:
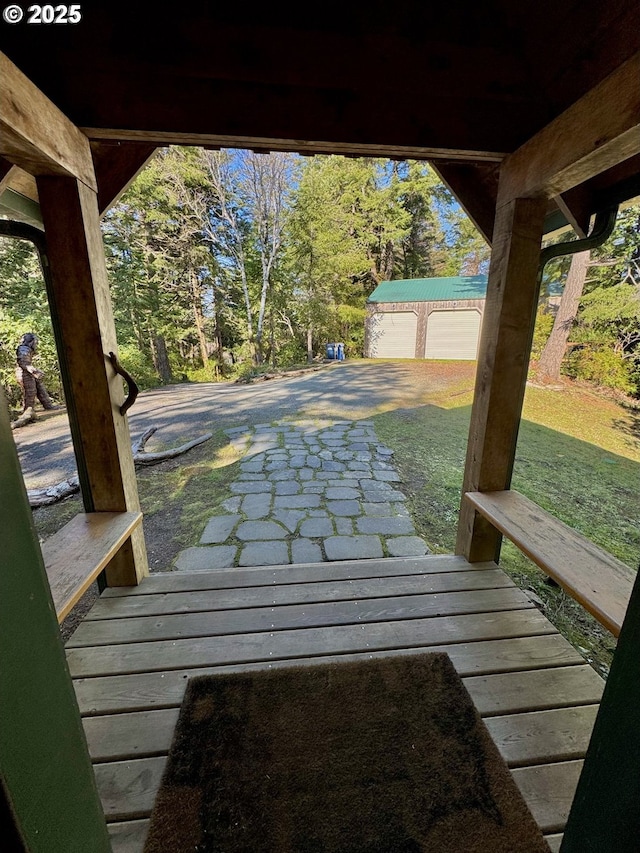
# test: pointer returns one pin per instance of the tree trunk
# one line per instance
(152, 349)
(310, 344)
(217, 332)
(554, 350)
(254, 344)
(272, 333)
(199, 318)
(261, 314)
(162, 359)
(388, 260)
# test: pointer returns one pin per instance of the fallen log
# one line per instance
(141, 457)
(53, 494)
(138, 446)
(25, 418)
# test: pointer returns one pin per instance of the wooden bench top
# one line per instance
(79, 551)
(596, 579)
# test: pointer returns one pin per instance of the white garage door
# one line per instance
(393, 335)
(453, 334)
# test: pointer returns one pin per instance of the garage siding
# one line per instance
(393, 335)
(453, 334)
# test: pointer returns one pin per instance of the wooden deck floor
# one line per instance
(132, 655)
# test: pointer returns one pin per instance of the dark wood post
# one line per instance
(45, 770)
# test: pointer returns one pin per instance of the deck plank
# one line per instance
(179, 581)
(121, 737)
(512, 693)
(147, 690)
(190, 601)
(537, 737)
(535, 691)
(278, 618)
(548, 790)
(128, 789)
(523, 739)
(247, 648)
(128, 837)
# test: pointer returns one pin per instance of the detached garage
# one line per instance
(426, 318)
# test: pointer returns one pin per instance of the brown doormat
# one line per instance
(383, 756)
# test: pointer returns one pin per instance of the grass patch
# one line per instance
(583, 414)
(576, 458)
(49, 519)
(177, 498)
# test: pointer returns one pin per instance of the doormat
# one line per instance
(383, 756)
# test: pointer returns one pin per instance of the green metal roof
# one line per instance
(455, 288)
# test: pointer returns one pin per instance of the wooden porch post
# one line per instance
(45, 770)
(503, 361)
(36, 136)
(82, 316)
(595, 133)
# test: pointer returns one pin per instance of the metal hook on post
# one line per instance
(132, 388)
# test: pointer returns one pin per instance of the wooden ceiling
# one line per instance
(457, 84)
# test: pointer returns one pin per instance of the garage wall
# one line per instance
(401, 329)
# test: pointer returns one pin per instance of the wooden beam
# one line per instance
(20, 182)
(82, 316)
(117, 164)
(617, 185)
(594, 134)
(503, 361)
(476, 189)
(577, 205)
(302, 146)
(35, 135)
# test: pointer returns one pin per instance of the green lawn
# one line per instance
(578, 457)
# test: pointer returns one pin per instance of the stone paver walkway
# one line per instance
(307, 494)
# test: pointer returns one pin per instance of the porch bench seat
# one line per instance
(593, 577)
(79, 551)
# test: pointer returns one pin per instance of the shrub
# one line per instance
(351, 320)
(291, 352)
(139, 365)
(214, 372)
(601, 365)
(544, 324)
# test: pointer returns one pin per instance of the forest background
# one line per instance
(225, 263)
